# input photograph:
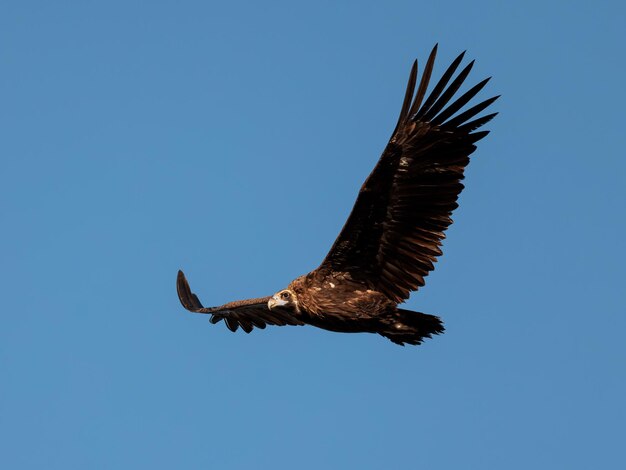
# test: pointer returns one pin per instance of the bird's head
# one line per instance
(286, 299)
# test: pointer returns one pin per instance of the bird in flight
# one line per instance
(394, 233)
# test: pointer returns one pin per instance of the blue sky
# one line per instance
(230, 140)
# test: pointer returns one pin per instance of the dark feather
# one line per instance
(470, 113)
(449, 93)
(459, 103)
(408, 95)
(439, 87)
(421, 91)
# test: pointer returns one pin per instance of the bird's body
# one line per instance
(393, 235)
(337, 302)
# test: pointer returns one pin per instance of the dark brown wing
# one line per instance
(246, 314)
(393, 234)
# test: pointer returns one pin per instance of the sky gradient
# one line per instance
(230, 140)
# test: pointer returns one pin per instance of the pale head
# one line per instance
(285, 298)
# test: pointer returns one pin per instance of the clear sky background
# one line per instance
(230, 140)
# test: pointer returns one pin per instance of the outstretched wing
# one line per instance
(394, 232)
(246, 314)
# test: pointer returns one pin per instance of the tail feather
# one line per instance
(409, 327)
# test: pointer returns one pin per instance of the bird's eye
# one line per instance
(284, 295)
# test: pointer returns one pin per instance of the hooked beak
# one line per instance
(275, 301)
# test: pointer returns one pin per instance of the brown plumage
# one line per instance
(394, 233)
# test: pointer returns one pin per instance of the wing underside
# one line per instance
(394, 232)
(247, 314)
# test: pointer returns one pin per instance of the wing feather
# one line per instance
(393, 235)
(421, 91)
(459, 103)
(448, 93)
(247, 314)
(440, 86)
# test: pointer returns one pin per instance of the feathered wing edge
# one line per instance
(246, 314)
(394, 232)
(436, 144)
(431, 111)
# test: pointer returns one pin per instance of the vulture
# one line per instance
(394, 233)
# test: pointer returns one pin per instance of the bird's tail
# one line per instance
(406, 326)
